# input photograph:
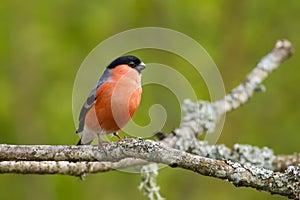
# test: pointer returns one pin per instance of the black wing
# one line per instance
(90, 101)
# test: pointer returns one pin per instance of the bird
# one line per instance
(113, 101)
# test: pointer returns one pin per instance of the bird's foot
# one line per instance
(118, 136)
(101, 146)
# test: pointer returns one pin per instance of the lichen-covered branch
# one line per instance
(281, 162)
(203, 116)
(244, 154)
(286, 184)
(242, 93)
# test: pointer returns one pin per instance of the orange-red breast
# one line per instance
(113, 101)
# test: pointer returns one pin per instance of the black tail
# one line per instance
(79, 142)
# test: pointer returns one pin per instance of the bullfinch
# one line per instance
(113, 101)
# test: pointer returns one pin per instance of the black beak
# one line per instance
(140, 67)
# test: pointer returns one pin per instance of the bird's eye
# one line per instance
(131, 64)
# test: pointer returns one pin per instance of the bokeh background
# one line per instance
(43, 43)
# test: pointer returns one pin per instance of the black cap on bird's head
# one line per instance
(131, 61)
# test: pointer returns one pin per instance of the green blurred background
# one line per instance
(43, 43)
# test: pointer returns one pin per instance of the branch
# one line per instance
(79, 169)
(281, 162)
(242, 93)
(17, 154)
(203, 116)
(286, 184)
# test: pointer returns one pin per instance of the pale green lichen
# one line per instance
(148, 185)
